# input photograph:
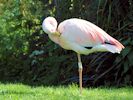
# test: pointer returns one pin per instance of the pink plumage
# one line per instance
(77, 34)
(81, 36)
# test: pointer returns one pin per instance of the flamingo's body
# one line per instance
(81, 36)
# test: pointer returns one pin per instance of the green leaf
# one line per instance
(118, 59)
(127, 41)
(130, 58)
(126, 51)
(131, 42)
(126, 66)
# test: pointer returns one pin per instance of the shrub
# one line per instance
(28, 55)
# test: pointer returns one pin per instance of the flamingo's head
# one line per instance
(49, 25)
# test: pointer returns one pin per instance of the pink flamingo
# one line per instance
(81, 36)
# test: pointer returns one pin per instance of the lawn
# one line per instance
(25, 92)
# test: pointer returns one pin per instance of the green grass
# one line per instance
(24, 92)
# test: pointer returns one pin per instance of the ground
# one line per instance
(25, 92)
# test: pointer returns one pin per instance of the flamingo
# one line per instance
(80, 36)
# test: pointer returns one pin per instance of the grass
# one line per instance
(24, 92)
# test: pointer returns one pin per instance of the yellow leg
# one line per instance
(80, 72)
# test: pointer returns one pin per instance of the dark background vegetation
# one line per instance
(28, 56)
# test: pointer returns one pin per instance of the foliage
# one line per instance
(115, 69)
(19, 19)
(27, 55)
(115, 17)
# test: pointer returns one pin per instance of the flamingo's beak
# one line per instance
(57, 33)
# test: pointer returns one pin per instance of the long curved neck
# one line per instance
(54, 38)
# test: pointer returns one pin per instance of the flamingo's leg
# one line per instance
(80, 72)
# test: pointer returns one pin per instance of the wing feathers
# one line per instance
(87, 34)
(117, 43)
(103, 36)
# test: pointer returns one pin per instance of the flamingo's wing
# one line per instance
(85, 33)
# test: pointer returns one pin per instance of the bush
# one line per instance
(28, 55)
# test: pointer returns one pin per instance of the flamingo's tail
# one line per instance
(116, 43)
(106, 47)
